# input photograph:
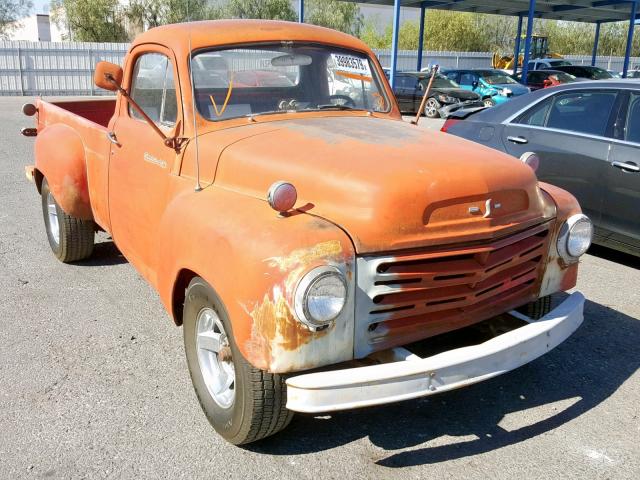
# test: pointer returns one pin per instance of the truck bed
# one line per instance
(72, 150)
(97, 111)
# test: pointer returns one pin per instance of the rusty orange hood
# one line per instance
(389, 184)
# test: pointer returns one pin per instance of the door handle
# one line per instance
(627, 167)
(111, 136)
(519, 140)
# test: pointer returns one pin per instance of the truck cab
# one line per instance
(260, 177)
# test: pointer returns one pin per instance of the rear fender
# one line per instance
(60, 158)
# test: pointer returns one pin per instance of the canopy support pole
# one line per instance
(394, 41)
(516, 51)
(632, 22)
(527, 42)
(596, 40)
(423, 10)
(300, 11)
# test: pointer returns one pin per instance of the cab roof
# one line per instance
(216, 33)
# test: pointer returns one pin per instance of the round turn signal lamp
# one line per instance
(532, 159)
(282, 196)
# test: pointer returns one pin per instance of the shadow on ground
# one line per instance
(616, 256)
(104, 253)
(581, 373)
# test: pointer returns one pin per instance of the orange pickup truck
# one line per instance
(260, 177)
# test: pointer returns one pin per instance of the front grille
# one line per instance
(411, 296)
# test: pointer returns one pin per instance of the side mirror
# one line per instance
(474, 84)
(108, 76)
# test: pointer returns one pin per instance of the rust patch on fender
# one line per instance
(306, 256)
(275, 328)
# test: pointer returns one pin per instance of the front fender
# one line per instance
(558, 276)
(254, 259)
(60, 158)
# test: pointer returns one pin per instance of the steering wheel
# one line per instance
(347, 100)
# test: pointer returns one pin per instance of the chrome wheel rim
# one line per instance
(214, 357)
(488, 103)
(52, 211)
(431, 109)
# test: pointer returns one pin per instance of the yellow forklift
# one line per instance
(539, 49)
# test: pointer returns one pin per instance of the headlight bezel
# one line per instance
(564, 236)
(301, 296)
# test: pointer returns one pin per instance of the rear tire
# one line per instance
(489, 102)
(71, 239)
(253, 405)
(538, 309)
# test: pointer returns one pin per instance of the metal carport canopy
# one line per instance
(587, 11)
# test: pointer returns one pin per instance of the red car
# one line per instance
(537, 79)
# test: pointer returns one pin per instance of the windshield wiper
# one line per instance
(330, 106)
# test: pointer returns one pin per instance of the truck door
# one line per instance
(141, 165)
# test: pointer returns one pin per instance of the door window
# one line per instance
(452, 76)
(536, 116)
(467, 79)
(583, 111)
(632, 128)
(401, 81)
(153, 88)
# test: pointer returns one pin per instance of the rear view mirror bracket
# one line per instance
(109, 77)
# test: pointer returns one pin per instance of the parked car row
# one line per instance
(585, 138)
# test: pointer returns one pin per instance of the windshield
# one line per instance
(563, 77)
(440, 81)
(496, 78)
(263, 79)
(559, 63)
(599, 73)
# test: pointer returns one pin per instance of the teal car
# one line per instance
(494, 86)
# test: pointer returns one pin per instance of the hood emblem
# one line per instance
(489, 208)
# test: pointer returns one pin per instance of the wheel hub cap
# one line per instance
(214, 357)
(54, 226)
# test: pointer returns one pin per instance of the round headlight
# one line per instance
(575, 237)
(320, 297)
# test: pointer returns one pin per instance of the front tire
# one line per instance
(70, 238)
(431, 108)
(538, 309)
(242, 403)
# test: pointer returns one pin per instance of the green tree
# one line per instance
(263, 9)
(153, 13)
(10, 12)
(369, 34)
(91, 20)
(343, 16)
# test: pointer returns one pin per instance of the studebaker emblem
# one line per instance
(489, 207)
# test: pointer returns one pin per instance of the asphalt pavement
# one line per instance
(94, 383)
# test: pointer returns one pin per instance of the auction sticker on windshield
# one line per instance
(351, 64)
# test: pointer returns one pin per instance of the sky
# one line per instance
(40, 6)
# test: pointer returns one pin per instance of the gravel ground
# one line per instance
(94, 384)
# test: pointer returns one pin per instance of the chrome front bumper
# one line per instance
(417, 377)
